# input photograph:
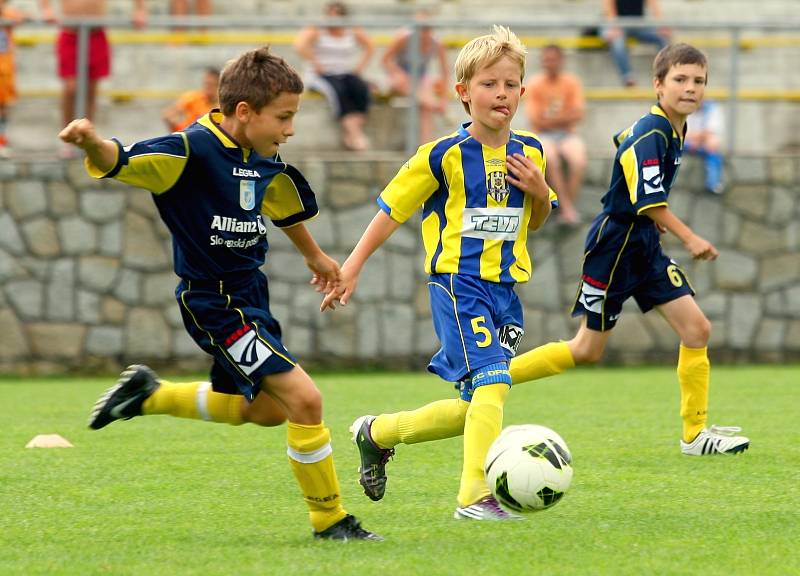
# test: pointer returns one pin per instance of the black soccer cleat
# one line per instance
(372, 472)
(124, 400)
(348, 528)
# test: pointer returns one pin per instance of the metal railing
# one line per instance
(734, 29)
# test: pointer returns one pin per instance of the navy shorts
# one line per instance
(478, 323)
(232, 322)
(624, 259)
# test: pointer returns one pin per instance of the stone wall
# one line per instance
(86, 281)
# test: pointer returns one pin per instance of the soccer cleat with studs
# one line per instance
(124, 400)
(348, 528)
(372, 472)
(716, 440)
(485, 509)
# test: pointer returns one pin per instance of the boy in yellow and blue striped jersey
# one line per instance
(213, 184)
(481, 190)
(623, 256)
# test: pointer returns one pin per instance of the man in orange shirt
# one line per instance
(554, 106)
(192, 105)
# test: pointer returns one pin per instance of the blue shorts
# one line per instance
(624, 259)
(232, 322)
(478, 323)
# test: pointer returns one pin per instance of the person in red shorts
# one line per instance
(99, 50)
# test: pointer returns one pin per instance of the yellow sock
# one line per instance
(434, 421)
(694, 372)
(546, 360)
(483, 424)
(311, 458)
(194, 400)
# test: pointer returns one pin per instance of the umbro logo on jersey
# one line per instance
(245, 172)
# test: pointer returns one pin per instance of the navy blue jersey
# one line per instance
(645, 167)
(211, 194)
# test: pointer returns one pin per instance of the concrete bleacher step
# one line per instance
(763, 127)
(728, 10)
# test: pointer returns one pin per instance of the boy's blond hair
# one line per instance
(486, 50)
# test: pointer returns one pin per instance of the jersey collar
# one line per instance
(464, 133)
(212, 122)
(659, 111)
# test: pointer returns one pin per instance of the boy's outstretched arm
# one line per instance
(101, 153)
(326, 269)
(378, 231)
(698, 247)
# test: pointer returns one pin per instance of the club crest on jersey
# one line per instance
(247, 194)
(496, 185)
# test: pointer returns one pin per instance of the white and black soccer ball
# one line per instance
(528, 468)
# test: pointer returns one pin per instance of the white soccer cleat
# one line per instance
(716, 440)
(485, 509)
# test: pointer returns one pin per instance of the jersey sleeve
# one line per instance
(643, 166)
(289, 199)
(155, 164)
(413, 184)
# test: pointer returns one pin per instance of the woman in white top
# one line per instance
(337, 56)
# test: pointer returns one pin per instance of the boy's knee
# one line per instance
(308, 401)
(698, 334)
(584, 352)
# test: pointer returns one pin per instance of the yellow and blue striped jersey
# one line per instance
(646, 165)
(474, 222)
(211, 194)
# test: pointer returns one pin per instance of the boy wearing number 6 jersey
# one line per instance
(623, 256)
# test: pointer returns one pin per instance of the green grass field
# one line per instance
(159, 495)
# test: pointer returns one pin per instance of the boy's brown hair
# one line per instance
(256, 77)
(675, 55)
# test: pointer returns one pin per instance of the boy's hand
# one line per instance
(700, 248)
(526, 176)
(81, 133)
(326, 272)
(341, 293)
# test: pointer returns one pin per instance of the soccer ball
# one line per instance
(528, 468)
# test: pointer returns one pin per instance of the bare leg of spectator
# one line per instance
(353, 136)
(428, 104)
(68, 100)
(573, 151)
(555, 177)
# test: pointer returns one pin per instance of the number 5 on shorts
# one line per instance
(479, 329)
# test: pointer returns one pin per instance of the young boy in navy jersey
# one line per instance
(481, 190)
(623, 256)
(211, 184)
